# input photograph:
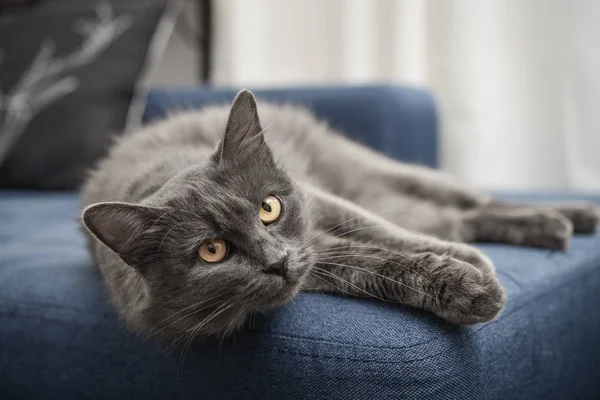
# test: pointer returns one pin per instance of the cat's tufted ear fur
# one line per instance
(243, 136)
(130, 230)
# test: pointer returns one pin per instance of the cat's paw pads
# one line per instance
(584, 217)
(466, 296)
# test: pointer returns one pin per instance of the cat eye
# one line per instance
(213, 250)
(270, 210)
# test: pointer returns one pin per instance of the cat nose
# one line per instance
(278, 268)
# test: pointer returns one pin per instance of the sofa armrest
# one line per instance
(398, 121)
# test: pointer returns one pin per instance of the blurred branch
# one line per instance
(44, 82)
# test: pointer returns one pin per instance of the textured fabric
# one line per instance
(60, 339)
(396, 120)
(69, 73)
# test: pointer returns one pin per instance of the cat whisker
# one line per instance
(367, 247)
(153, 330)
(378, 275)
(328, 231)
(207, 320)
(181, 294)
(315, 273)
(350, 220)
(193, 330)
(344, 255)
(225, 333)
(327, 273)
(358, 229)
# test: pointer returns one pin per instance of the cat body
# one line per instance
(349, 221)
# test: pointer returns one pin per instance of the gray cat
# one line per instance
(200, 220)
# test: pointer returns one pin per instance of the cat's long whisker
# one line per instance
(369, 294)
(335, 256)
(376, 274)
(196, 328)
(365, 247)
(350, 220)
(325, 272)
(181, 293)
(380, 226)
(234, 319)
(328, 231)
(366, 253)
(341, 254)
(181, 318)
(356, 230)
(315, 273)
(153, 330)
(195, 331)
(184, 335)
(166, 319)
(312, 273)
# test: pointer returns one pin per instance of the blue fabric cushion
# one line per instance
(397, 120)
(59, 338)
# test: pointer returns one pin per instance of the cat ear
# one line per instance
(127, 229)
(243, 135)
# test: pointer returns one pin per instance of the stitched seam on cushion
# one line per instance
(318, 340)
(370, 361)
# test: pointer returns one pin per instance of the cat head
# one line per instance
(217, 242)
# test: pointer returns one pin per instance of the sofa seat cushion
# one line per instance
(59, 337)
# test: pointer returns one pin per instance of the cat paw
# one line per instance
(584, 217)
(465, 295)
(549, 230)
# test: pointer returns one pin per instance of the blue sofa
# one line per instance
(60, 339)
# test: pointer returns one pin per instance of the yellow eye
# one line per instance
(270, 210)
(213, 250)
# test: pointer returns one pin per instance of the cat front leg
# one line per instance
(339, 217)
(362, 254)
(451, 288)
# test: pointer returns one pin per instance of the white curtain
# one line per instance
(518, 81)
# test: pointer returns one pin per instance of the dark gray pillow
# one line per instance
(71, 78)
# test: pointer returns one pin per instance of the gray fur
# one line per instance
(353, 222)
